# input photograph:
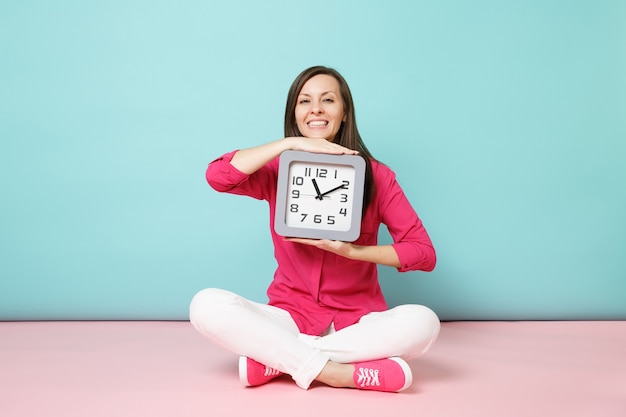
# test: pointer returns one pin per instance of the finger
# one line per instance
(324, 146)
(302, 240)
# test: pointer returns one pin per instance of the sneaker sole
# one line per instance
(408, 375)
(243, 371)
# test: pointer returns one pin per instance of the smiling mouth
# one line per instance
(317, 123)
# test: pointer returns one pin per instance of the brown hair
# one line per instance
(348, 134)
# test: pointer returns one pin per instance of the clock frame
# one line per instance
(319, 196)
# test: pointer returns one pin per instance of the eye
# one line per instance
(329, 100)
(304, 101)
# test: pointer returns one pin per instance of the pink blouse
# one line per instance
(318, 287)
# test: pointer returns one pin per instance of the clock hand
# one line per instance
(342, 186)
(317, 189)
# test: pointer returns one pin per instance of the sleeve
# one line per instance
(222, 176)
(411, 241)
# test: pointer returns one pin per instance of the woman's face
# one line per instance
(319, 108)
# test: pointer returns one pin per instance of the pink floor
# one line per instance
(484, 369)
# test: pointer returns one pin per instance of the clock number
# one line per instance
(317, 218)
(293, 208)
(296, 193)
(319, 172)
(344, 198)
(343, 211)
(303, 217)
(335, 174)
(298, 181)
(331, 219)
(346, 183)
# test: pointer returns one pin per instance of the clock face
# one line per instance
(319, 196)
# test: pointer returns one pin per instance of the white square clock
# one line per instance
(319, 196)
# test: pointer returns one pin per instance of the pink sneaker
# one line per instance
(253, 373)
(390, 375)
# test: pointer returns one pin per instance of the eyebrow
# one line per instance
(324, 93)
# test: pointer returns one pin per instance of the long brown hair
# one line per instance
(348, 134)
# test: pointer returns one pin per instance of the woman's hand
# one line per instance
(382, 254)
(335, 246)
(315, 145)
(251, 159)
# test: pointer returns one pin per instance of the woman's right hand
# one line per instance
(251, 159)
(317, 145)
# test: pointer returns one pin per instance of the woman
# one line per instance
(326, 319)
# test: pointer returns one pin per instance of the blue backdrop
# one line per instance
(504, 120)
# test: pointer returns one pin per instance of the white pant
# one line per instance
(270, 336)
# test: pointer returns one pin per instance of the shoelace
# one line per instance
(368, 377)
(271, 371)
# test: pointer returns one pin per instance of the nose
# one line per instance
(316, 107)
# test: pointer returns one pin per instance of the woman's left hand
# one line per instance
(335, 246)
(383, 255)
